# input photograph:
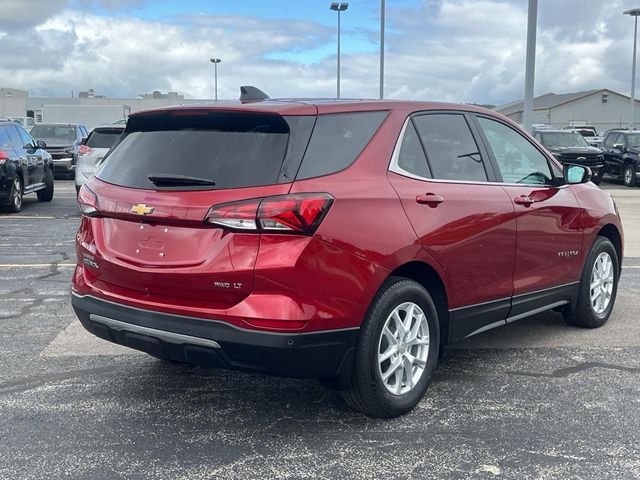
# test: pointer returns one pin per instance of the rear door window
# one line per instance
(5, 142)
(14, 138)
(232, 149)
(103, 138)
(337, 140)
(451, 150)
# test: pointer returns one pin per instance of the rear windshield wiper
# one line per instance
(164, 180)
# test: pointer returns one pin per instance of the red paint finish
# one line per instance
(472, 234)
(482, 243)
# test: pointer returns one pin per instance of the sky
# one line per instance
(445, 50)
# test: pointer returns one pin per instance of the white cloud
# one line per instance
(450, 50)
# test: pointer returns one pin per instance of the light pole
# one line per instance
(634, 12)
(382, 49)
(530, 68)
(215, 62)
(338, 7)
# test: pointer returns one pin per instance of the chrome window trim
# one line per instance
(395, 168)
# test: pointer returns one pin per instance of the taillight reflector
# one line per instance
(84, 150)
(88, 202)
(3, 157)
(293, 213)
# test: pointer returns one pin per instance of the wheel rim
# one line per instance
(403, 348)
(628, 176)
(602, 278)
(17, 199)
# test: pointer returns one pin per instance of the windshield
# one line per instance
(61, 132)
(561, 139)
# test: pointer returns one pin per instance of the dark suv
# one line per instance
(24, 167)
(343, 240)
(622, 155)
(571, 147)
(63, 141)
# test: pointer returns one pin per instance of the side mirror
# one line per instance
(41, 144)
(83, 141)
(618, 146)
(574, 174)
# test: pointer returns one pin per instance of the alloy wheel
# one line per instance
(17, 188)
(403, 348)
(628, 176)
(602, 278)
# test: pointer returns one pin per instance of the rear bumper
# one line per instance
(326, 354)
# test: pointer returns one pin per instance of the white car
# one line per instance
(93, 150)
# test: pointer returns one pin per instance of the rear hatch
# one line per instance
(157, 185)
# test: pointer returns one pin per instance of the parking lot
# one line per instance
(536, 399)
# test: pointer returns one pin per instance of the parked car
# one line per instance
(348, 241)
(622, 155)
(571, 147)
(63, 141)
(25, 167)
(93, 150)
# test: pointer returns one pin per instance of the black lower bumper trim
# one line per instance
(213, 343)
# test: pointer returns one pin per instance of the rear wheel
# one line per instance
(397, 351)
(598, 287)
(629, 175)
(16, 195)
(46, 195)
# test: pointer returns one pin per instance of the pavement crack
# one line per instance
(565, 372)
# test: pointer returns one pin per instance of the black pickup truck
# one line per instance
(571, 147)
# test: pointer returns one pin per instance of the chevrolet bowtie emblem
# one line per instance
(141, 209)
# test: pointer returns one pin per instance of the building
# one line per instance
(601, 108)
(15, 103)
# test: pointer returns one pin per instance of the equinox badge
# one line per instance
(141, 209)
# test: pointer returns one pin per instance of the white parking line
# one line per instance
(36, 265)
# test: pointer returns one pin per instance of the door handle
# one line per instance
(525, 200)
(430, 199)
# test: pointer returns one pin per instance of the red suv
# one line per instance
(344, 240)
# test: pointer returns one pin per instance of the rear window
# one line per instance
(337, 140)
(103, 138)
(232, 149)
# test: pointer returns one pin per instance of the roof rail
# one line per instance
(250, 94)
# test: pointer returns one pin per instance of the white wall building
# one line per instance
(601, 108)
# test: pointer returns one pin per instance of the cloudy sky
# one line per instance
(451, 50)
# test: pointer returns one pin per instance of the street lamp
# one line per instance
(530, 65)
(634, 12)
(338, 7)
(215, 62)
(382, 11)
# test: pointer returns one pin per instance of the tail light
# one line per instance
(84, 150)
(3, 157)
(294, 213)
(88, 202)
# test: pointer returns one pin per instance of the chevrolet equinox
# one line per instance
(348, 241)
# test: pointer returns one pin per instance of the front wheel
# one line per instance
(397, 351)
(46, 195)
(598, 287)
(629, 176)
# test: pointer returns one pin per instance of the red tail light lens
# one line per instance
(3, 157)
(84, 150)
(294, 213)
(88, 202)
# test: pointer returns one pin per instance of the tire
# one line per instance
(16, 196)
(368, 392)
(629, 175)
(585, 314)
(46, 195)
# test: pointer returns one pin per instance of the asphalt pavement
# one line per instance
(537, 399)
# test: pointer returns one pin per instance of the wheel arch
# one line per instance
(427, 276)
(611, 232)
